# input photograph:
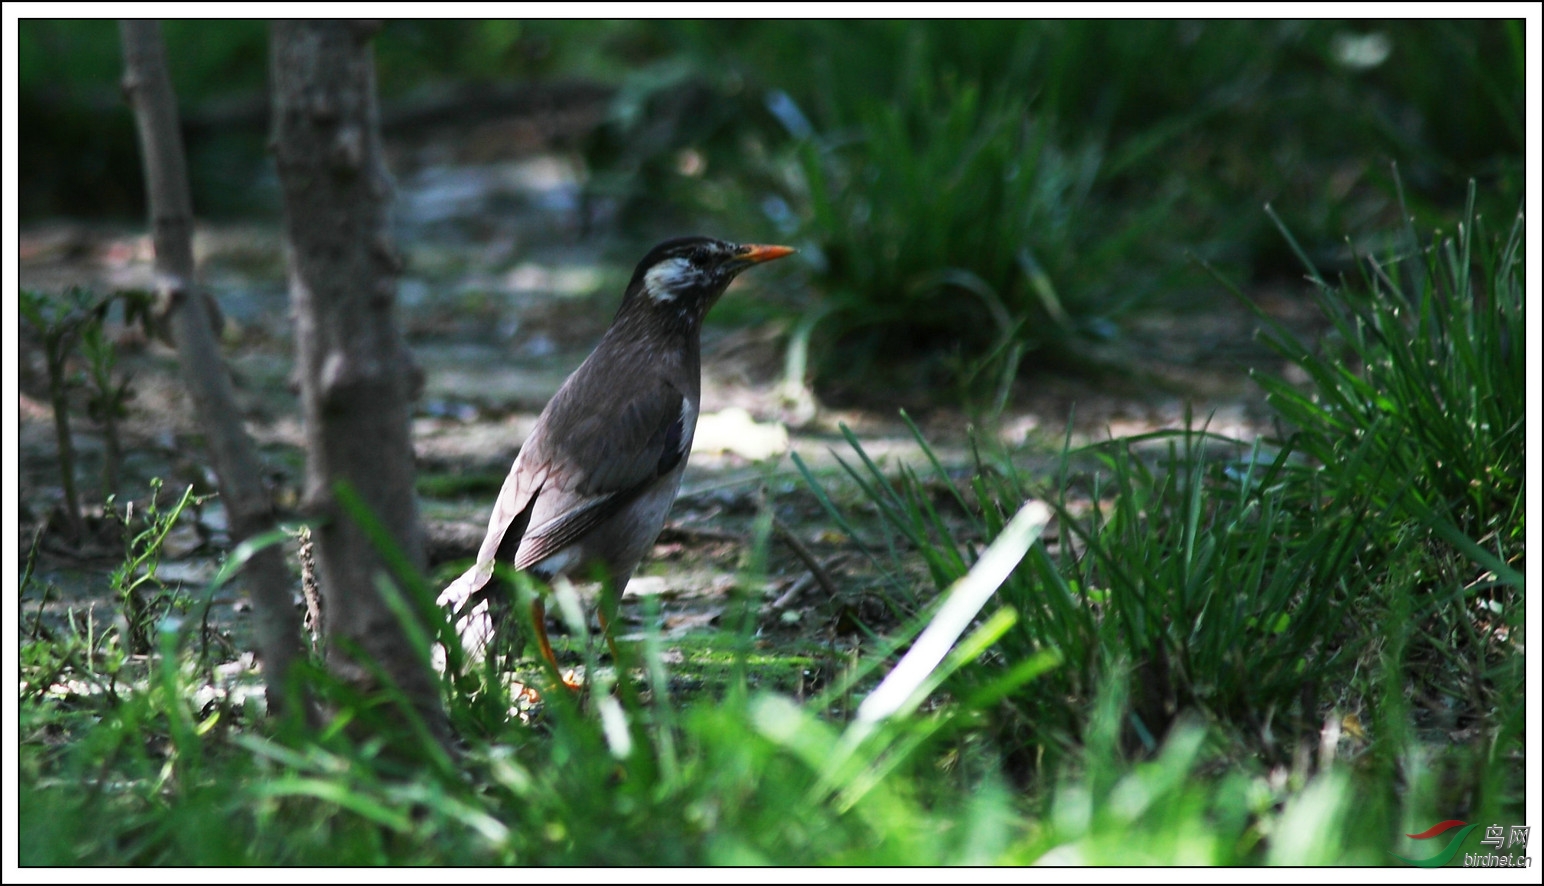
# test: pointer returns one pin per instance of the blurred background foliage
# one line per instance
(981, 192)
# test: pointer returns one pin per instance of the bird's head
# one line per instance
(683, 277)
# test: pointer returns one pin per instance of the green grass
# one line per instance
(1424, 366)
(1218, 653)
(1204, 579)
(954, 220)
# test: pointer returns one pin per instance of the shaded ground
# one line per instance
(504, 296)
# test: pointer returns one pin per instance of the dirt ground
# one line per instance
(505, 291)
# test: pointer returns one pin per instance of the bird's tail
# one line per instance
(474, 624)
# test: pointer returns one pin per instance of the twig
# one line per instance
(781, 530)
(796, 588)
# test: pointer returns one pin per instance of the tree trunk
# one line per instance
(188, 313)
(356, 374)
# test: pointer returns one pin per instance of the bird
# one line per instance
(589, 490)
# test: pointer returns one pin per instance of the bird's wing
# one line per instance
(597, 462)
(580, 466)
(510, 518)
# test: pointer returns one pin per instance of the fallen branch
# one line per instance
(786, 535)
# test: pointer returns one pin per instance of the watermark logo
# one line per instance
(1496, 836)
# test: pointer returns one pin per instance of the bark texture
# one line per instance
(189, 316)
(356, 374)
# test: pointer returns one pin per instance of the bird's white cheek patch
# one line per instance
(665, 280)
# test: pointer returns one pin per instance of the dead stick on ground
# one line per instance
(795, 588)
(781, 530)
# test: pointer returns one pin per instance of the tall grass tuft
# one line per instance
(1416, 400)
(1425, 366)
(1205, 570)
(954, 222)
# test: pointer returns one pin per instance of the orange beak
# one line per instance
(756, 253)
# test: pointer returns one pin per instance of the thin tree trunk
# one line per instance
(356, 374)
(237, 467)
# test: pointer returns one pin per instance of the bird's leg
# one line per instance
(539, 617)
(605, 630)
(610, 602)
